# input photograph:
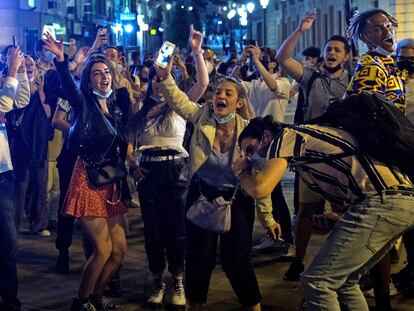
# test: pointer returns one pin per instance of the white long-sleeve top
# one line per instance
(14, 94)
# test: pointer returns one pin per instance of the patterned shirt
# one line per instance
(379, 74)
(342, 180)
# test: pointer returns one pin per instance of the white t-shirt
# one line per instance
(265, 101)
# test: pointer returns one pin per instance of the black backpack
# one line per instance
(381, 129)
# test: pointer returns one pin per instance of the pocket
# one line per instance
(384, 230)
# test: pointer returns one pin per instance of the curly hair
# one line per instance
(358, 22)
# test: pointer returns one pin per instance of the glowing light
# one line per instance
(129, 28)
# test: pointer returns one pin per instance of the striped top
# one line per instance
(343, 178)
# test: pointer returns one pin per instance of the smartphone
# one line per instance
(48, 29)
(249, 42)
(164, 54)
(14, 41)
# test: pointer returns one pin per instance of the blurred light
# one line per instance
(232, 13)
(182, 6)
(31, 3)
(117, 28)
(224, 8)
(140, 19)
(168, 6)
(264, 3)
(250, 7)
(241, 11)
(233, 5)
(153, 32)
(129, 28)
(160, 29)
(243, 21)
(219, 22)
(190, 8)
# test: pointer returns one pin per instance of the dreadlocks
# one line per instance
(358, 21)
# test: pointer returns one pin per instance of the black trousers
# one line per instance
(162, 197)
(235, 247)
(281, 213)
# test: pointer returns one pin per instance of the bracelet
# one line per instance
(197, 53)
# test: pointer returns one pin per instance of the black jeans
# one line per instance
(8, 242)
(65, 165)
(281, 213)
(235, 247)
(162, 197)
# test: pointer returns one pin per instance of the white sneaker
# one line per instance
(268, 245)
(157, 293)
(175, 294)
(393, 291)
(44, 233)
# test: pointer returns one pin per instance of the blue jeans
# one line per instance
(358, 241)
(8, 241)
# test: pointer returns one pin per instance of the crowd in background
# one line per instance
(172, 134)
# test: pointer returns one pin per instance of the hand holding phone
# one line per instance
(164, 54)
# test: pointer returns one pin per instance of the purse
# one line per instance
(213, 216)
(105, 173)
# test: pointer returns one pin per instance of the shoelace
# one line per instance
(178, 288)
(88, 307)
(157, 289)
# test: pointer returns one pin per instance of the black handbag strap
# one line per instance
(233, 196)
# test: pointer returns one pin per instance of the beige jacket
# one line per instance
(203, 137)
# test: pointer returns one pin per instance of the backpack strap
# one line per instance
(348, 149)
(313, 77)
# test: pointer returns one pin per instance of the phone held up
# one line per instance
(14, 41)
(164, 54)
(249, 42)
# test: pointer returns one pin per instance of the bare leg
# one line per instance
(98, 233)
(254, 308)
(119, 247)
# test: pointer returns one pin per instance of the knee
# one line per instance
(103, 251)
(119, 250)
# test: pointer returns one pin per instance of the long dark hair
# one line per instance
(138, 121)
(256, 127)
(85, 80)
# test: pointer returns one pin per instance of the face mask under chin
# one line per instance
(332, 69)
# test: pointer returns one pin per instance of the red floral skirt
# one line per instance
(85, 200)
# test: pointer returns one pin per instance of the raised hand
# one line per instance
(307, 21)
(195, 39)
(15, 59)
(163, 73)
(254, 51)
(56, 47)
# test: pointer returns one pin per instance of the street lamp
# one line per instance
(264, 4)
(243, 22)
(232, 13)
(250, 9)
(168, 6)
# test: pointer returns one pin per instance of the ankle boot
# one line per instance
(81, 304)
(102, 303)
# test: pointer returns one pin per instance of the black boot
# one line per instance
(62, 262)
(82, 304)
(102, 303)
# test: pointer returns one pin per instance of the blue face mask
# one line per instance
(225, 119)
(101, 95)
(257, 162)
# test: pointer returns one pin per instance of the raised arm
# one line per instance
(236, 69)
(176, 98)
(285, 53)
(198, 89)
(68, 85)
(8, 94)
(267, 77)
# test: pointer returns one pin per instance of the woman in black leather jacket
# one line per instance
(99, 208)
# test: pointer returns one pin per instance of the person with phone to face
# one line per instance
(14, 93)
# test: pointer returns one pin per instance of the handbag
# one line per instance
(105, 173)
(213, 216)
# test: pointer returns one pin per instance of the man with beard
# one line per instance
(319, 87)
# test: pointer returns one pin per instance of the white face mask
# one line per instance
(210, 67)
(101, 95)
(225, 119)
(258, 163)
(49, 56)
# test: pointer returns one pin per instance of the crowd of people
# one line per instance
(81, 130)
